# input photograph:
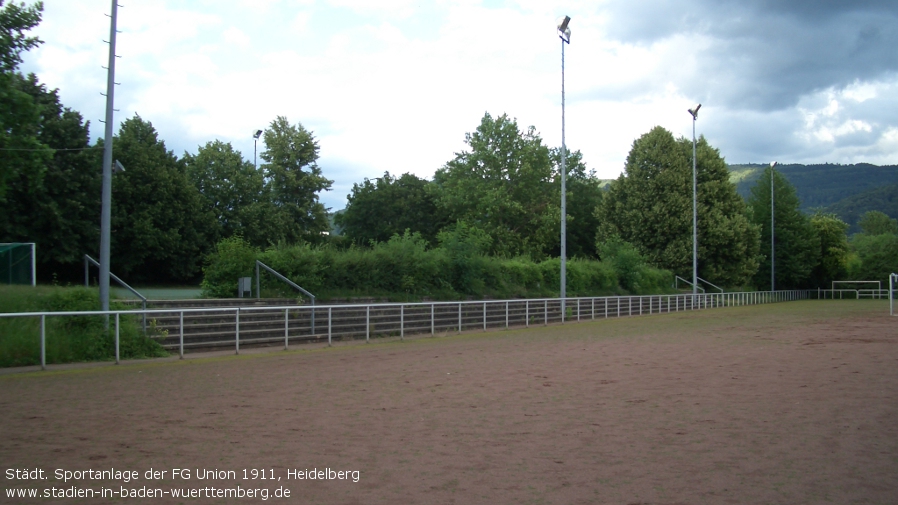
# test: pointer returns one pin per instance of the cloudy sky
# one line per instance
(394, 85)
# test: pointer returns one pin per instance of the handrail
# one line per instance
(712, 285)
(114, 277)
(281, 277)
(288, 281)
(678, 278)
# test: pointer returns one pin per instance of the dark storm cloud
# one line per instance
(766, 54)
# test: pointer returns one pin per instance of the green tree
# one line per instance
(796, 244)
(60, 211)
(160, 228)
(878, 255)
(875, 222)
(503, 185)
(294, 181)
(650, 206)
(234, 191)
(834, 252)
(584, 194)
(876, 248)
(387, 206)
(21, 153)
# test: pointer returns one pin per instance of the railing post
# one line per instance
(484, 316)
(116, 338)
(527, 313)
(546, 312)
(432, 321)
(286, 329)
(181, 335)
(459, 318)
(506, 315)
(593, 309)
(43, 342)
(329, 319)
(402, 322)
(367, 324)
(237, 332)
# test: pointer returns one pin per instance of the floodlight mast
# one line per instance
(564, 33)
(772, 222)
(106, 188)
(694, 112)
(255, 139)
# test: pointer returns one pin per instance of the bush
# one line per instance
(233, 258)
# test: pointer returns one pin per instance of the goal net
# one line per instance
(17, 264)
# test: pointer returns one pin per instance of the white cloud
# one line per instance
(395, 85)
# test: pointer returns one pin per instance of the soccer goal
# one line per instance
(861, 293)
(18, 264)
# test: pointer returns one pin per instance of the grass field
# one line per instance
(785, 403)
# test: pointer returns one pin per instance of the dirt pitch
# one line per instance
(787, 403)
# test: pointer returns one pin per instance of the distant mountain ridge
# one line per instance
(846, 190)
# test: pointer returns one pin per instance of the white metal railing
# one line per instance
(353, 321)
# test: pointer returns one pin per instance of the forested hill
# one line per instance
(821, 185)
(883, 199)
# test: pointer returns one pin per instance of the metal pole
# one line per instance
(286, 329)
(33, 264)
(106, 195)
(237, 332)
(43, 342)
(402, 322)
(563, 194)
(329, 326)
(116, 338)
(772, 255)
(367, 324)
(181, 335)
(694, 216)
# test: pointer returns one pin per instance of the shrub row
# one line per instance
(406, 267)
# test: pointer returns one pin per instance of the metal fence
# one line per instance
(233, 326)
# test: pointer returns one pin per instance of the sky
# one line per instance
(394, 85)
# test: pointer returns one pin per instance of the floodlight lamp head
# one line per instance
(257, 134)
(694, 111)
(118, 167)
(563, 31)
(773, 164)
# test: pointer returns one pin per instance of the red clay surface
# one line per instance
(787, 403)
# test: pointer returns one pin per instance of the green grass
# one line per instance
(68, 339)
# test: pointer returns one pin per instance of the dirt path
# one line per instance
(787, 403)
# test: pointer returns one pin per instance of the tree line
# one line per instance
(498, 198)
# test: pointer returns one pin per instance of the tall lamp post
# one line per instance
(106, 188)
(564, 33)
(694, 112)
(255, 139)
(772, 250)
